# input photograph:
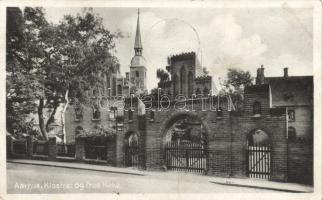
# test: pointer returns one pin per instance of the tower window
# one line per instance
(137, 73)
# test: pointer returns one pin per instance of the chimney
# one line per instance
(260, 79)
(285, 72)
(127, 76)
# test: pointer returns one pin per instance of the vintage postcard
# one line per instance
(161, 100)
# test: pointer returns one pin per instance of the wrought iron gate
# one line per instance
(186, 157)
(132, 155)
(258, 161)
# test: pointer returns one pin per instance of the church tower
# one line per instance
(138, 68)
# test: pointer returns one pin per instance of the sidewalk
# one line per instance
(251, 183)
(263, 184)
(83, 166)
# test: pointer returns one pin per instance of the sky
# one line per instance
(243, 38)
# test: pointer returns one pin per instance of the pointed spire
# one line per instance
(138, 45)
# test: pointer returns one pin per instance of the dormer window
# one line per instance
(256, 109)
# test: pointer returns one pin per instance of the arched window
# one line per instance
(182, 80)
(291, 133)
(119, 90)
(256, 108)
(190, 84)
(114, 85)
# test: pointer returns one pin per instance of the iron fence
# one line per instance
(40, 148)
(189, 157)
(259, 161)
(66, 150)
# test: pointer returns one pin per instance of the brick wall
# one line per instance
(300, 162)
(227, 138)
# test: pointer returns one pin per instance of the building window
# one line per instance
(256, 108)
(137, 73)
(190, 84)
(291, 133)
(78, 109)
(114, 85)
(119, 90)
(78, 113)
(96, 112)
(112, 114)
(94, 92)
(291, 115)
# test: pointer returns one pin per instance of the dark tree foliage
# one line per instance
(48, 64)
(162, 75)
(234, 85)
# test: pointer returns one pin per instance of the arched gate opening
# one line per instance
(185, 144)
(132, 153)
(258, 154)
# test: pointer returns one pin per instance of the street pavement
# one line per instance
(26, 178)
